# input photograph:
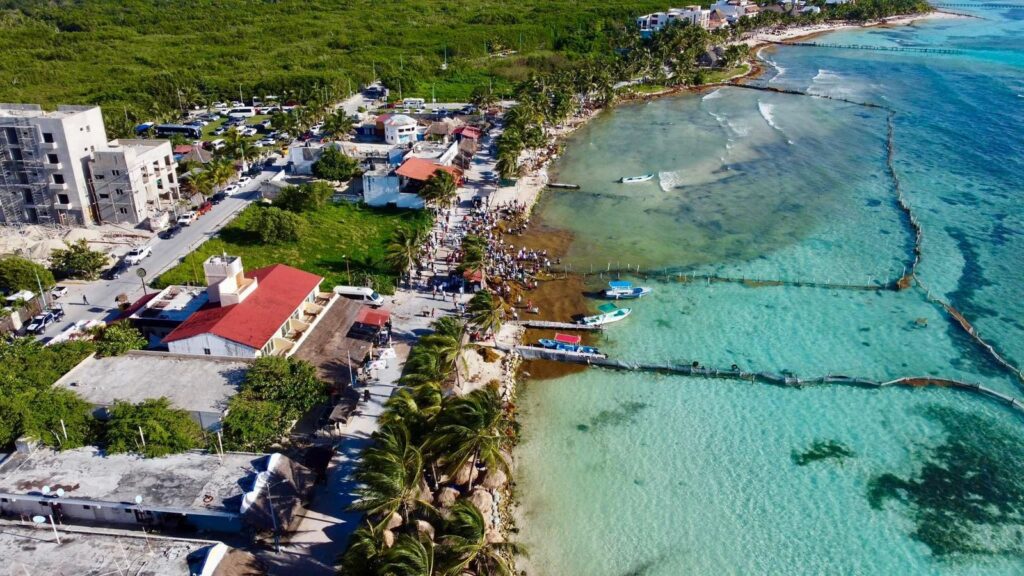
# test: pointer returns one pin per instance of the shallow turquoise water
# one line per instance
(643, 474)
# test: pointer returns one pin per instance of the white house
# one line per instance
(400, 129)
(654, 22)
(267, 311)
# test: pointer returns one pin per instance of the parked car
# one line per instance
(218, 197)
(269, 162)
(137, 255)
(249, 131)
(40, 322)
(187, 218)
(267, 142)
(204, 208)
(243, 180)
(231, 189)
(171, 232)
(220, 131)
(58, 292)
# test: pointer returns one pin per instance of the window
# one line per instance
(104, 195)
(119, 191)
(58, 178)
(48, 137)
(122, 210)
(99, 176)
(115, 172)
(207, 351)
(88, 128)
(52, 159)
(63, 199)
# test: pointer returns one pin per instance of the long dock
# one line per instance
(546, 325)
(537, 353)
(917, 49)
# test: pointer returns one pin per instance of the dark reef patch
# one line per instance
(822, 450)
(968, 496)
(625, 413)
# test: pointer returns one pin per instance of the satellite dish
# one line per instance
(60, 492)
(39, 519)
(138, 499)
(141, 272)
(46, 490)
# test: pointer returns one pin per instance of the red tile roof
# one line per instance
(373, 317)
(468, 132)
(253, 322)
(182, 148)
(137, 305)
(422, 169)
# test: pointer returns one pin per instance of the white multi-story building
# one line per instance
(654, 22)
(44, 163)
(400, 129)
(134, 179)
(48, 160)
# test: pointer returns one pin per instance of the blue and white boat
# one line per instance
(636, 179)
(621, 290)
(608, 313)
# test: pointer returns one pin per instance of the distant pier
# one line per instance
(546, 325)
(917, 49)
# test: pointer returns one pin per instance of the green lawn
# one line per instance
(722, 75)
(335, 233)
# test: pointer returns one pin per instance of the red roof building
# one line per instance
(471, 132)
(262, 312)
(421, 169)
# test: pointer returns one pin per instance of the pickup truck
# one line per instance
(40, 322)
(137, 255)
(186, 218)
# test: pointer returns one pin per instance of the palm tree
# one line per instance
(411, 556)
(390, 474)
(415, 406)
(238, 147)
(472, 428)
(440, 188)
(466, 540)
(404, 249)
(486, 311)
(339, 124)
(365, 553)
(221, 171)
(507, 165)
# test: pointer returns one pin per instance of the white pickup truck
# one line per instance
(137, 255)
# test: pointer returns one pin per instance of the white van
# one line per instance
(413, 103)
(368, 295)
(243, 112)
(217, 144)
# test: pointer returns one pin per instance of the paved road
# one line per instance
(101, 294)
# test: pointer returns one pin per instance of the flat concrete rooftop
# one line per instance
(187, 481)
(174, 303)
(36, 111)
(34, 551)
(193, 383)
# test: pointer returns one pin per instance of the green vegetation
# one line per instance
(340, 238)
(440, 189)
(276, 392)
(118, 338)
(77, 261)
(152, 428)
(28, 402)
(304, 198)
(335, 165)
(17, 273)
(276, 226)
(431, 445)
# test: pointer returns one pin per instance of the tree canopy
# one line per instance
(164, 429)
(275, 226)
(77, 261)
(335, 165)
(290, 382)
(17, 273)
(305, 197)
(118, 338)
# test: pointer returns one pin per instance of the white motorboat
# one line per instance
(636, 179)
(609, 313)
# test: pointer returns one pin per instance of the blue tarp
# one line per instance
(620, 284)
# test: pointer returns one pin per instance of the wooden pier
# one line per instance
(546, 325)
(734, 373)
(917, 49)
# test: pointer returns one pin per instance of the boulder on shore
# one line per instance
(425, 529)
(446, 497)
(495, 479)
(484, 502)
(394, 521)
(466, 474)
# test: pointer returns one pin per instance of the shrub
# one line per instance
(165, 429)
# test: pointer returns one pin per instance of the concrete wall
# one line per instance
(116, 514)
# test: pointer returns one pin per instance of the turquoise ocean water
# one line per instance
(645, 474)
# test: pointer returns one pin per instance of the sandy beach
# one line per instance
(784, 34)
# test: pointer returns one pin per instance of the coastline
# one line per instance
(529, 187)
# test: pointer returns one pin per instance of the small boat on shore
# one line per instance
(621, 290)
(568, 343)
(608, 313)
(636, 179)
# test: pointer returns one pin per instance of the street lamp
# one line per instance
(348, 269)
